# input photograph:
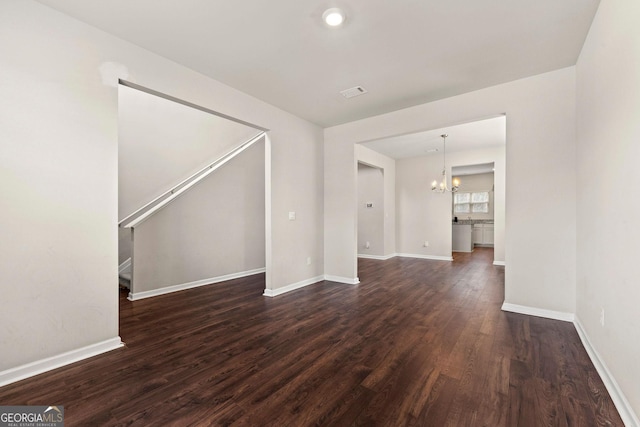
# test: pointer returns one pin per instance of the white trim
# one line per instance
(432, 257)
(619, 400)
(292, 287)
(307, 282)
(175, 288)
(378, 257)
(539, 312)
(125, 265)
(339, 279)
(187, 103)
(39, 366)
(268, 215)
(500, 263)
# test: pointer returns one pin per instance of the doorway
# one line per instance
(423, 223)
(370, 211)
(473, 207)
(216, 229)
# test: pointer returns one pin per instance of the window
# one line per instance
(480, 202)
(461, 202)
(471, 202)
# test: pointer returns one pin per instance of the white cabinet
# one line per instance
(487, 235)
(477, 234)
(483, 234)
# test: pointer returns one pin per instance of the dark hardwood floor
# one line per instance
(417, 343)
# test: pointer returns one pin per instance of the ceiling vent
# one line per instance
(354, 91)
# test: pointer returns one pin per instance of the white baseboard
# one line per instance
(539, 312)
(619, 400)
(403, 255)
(292, 287)
(378, 257)
(432, 257)
(135, 296)
(39, 366)
(500, 263)
(125, 265)
(307, 282)
(339, 279)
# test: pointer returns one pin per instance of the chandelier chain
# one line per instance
(455, 184)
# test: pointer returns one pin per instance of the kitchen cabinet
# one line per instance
(488, 234)
(477, 234)
(462, 239)
(483, 234)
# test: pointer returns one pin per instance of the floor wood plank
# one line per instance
(417, 343)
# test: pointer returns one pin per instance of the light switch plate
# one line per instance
(292, 216)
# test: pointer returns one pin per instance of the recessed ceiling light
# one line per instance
(333, 17)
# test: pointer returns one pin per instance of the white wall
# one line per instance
(608, 131)
(59, 172)
(370, 219)
(423, 215)
(58, 103)
(540, 154)
(215, 229)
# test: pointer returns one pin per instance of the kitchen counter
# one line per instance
(462, 238)
(472, 221)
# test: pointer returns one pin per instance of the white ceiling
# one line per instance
(469, 136)
(404, 52)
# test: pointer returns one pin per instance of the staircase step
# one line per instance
(124, 280)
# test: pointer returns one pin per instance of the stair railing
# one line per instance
(141, 214)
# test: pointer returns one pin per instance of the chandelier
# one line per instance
(442, 187)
